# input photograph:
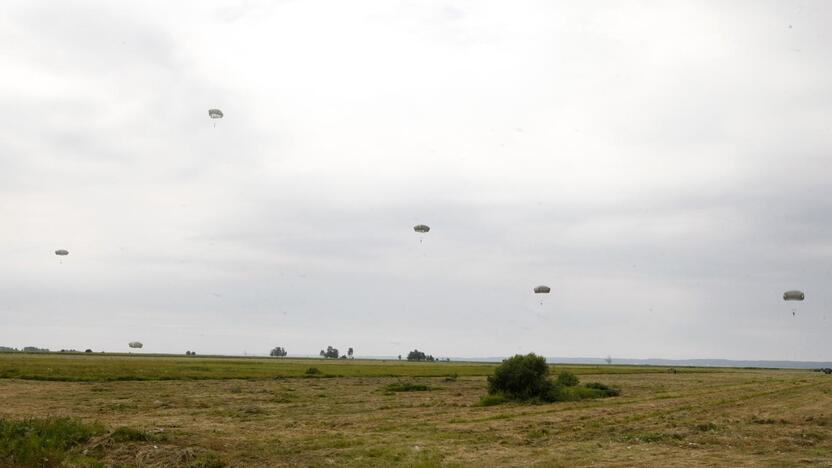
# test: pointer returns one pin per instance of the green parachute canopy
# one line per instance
(421, 228)
(793, 295)
(542, 290)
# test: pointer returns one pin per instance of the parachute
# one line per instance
(793, 295)
(134, 344)
(542, 290)
(215, 113)
(62, 252)
(421, 229)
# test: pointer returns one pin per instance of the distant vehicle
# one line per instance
(135, 344)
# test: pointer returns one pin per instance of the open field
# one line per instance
(272, 418)
(97, 367)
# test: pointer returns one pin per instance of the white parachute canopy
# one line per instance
(135, 344)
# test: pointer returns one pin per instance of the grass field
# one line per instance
(171, 411)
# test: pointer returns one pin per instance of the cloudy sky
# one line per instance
(663, 166)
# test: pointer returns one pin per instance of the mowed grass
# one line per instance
(730, 418)
(115, 367)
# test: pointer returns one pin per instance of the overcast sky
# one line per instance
(663, 166)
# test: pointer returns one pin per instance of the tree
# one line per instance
(330, 353)
(400, 357)
(278, 352)
(609, 359)
(415, 355)
(88, 351)
(349, 353)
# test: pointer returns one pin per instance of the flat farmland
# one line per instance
(267, 412)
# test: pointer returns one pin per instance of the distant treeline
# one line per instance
(27, 349)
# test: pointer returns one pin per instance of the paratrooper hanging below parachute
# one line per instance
(794, 295)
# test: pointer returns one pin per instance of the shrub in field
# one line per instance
(526, 378)
(312, 371)
(567, 379)
(522, 378)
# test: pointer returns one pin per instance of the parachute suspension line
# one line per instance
(794, 295)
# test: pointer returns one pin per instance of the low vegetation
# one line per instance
(526, 378)
(407, 387)
(39, 442)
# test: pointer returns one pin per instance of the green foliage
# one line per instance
(128, 434)
(492, 400)
(567, 379)
(522, 378)
(312, 371)
(330, 353)
(417, 355)
(605, 390)
(407, 387)
(526, 378)
(29, 442)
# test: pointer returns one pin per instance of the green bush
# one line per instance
(312, 371)
(526, 378)
(522, 378)
(567, 379)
